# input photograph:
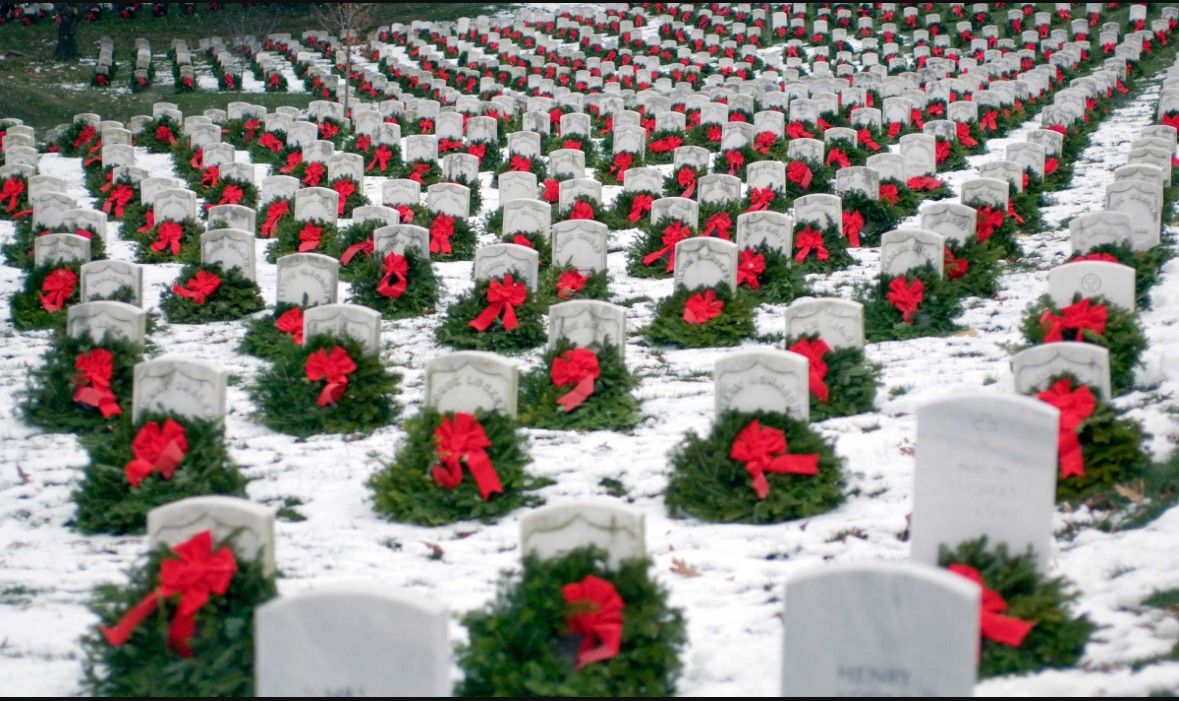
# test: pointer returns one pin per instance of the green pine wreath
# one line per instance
(706, 483)
(108, 504)
(351, 235)
(1058, 639)
(263, 339)
(235, 298)
(597, 285)
(222, 663)
(730, 328)
(1123, 337)
(463, 241)
(286, 238)
(518, 645)
(404, 491)
(852, 382)
(878, 216)
(981, 278)
(834, 241)
(781, 282)
(48, 401)
(286, 398)
(935, 316)
(190, 244)
(455, 330)
(420, 296)
(612, 406)
(29, 313)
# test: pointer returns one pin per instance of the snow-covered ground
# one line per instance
(733, 605)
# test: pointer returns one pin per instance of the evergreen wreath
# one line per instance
(834, 243)
(1123, 337)
(1057, 639)
(779, 201)
(355, 198)
(642, 261)
(405, 490)
(935, 314)
(14, 195)
(732, 325)
(424, 172)
(222, 663)
(235, 297)
(289, 238)
(354, 244)
(565, 282)
(1111, 447)
(221, 193)
(263, 339)
(420, 296)
(779, 280)
(972, 268)
(611, 407)
(612, 169)
(876, 215)
(1002, 235)
(49, 399)
(455, 329)
(709, 484)
(77, 140)
(1024, 208)
(682, 181)
(290, 402)
(31, 308)
(851, 381)
(187, 251)
(456, 231)
(617, 216)
(107, 503)
(519, 645)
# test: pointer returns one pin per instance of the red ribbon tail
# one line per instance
(350, 253)
(1071, 458)
(487, 316)
(577, 396)
(449, 474)
(118, 634)
(484, 473)
(1004, 630)
(609, 636)
(331, 393)
(691, 190)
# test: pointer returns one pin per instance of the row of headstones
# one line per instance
(270, 64)
(1054, 45)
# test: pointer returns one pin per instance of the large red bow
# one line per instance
(1079, 317)
(118, 200)
(85, 135)
(441, 231)
(673, 233)
(809, 240)
(164, 134)
(405, 213)
(735, 161)
(168, 237)
(750, 266)
(570, 283)
(581, 210)
(955, 267)
(521, 164)
(685, 177)
(763, 449)
(345, 188)
(702, 307)
(964, 137)
(864, 136)
(57, 287)
(272, 143)
(395, 266)
(1075, 406)
(578, 367)
(838, 157)
(380, 159)
(992, 624)
(291, 323)
(294, 158)
(250, 128)
(941, 152)
(639, 206)
(211, 176)
(622, 162)
(596, 615)
(989, 121)
(552, 191)
(199, 287)
(232, 194)
(906, 297)
(309, 237)
(327, 130)
(853, 225)
(274, 212)
(11, 191)
(814, 351)
(764, 141)
(797, 130)
(667, 143)
(989, 221)
(503, 296)
(93, 381)
(334, 366)
(888, 193)
(156, 449)
(313, 174)
(719, 225)
(459, 440)
(760, 198)
(197, 573)
(923, 182)
(800, 174)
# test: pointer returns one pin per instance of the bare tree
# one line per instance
(348, 21)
